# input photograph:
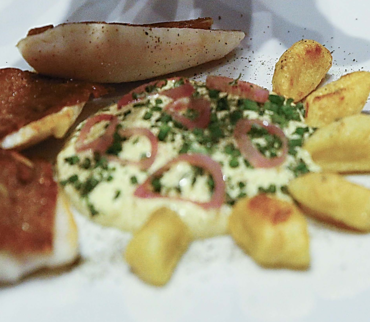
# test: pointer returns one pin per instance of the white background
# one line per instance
(214, 281)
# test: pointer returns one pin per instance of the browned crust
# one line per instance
(271, 210)
(28, 197)
(26, 97)
(39, 30)
(324, 218)
(199, 23)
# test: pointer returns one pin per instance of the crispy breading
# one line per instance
(34, 107)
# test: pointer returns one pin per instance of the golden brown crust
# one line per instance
(344, 97)
(272, 231)
(267, 208)
(28, 197)
(199, 23)
(26, 97)
(333, 199)
(39, 30)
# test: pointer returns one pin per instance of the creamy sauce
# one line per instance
(108, 197)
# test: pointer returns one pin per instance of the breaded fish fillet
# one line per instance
(34, 107)
(36, 227)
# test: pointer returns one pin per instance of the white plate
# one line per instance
(214, 281)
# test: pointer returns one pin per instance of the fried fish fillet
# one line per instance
(34, 107)
(36, 226)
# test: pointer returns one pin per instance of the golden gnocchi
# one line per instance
(342, 146)
(332, 198)
(156, 248)
(198, 160)
(344, 97)
(272, 231)
(301, 69)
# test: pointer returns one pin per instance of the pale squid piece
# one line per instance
(332, 198)
(343, 97)
(342, 146)
(272, 231)
(115, 53)
(156, 248)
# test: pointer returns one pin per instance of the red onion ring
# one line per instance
(241, 88)
(128, 98)
(145, 163)
(102, 143)
(176, 93)
(200, 105)
(200, 160)
(250, 152)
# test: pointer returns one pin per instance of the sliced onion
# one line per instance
(200, 160)
(102, 143)
(128, 98)
(200, 105)
(143, 163)
(176, 93)
(250, 152)
(237, 87)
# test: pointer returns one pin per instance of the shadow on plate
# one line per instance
(42, 274)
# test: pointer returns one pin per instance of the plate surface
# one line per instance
(214, 281)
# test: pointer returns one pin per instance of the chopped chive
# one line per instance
(179, 82)
(211, 183)
(213, 93)
(156, 184)
(147, 116)
(163, 132)
(222, 104)
(133, 180)
(270, 189)
(86, 163)
(92, 209)
(140, 104)
(234, 82)
(241, 185)
(229, 148)
(156, 108)
(234, 163)
(301, 130)
(117, 194)
(300, 169)
(72, 160)
(248, 105)
(89, 186)
(276, 99)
